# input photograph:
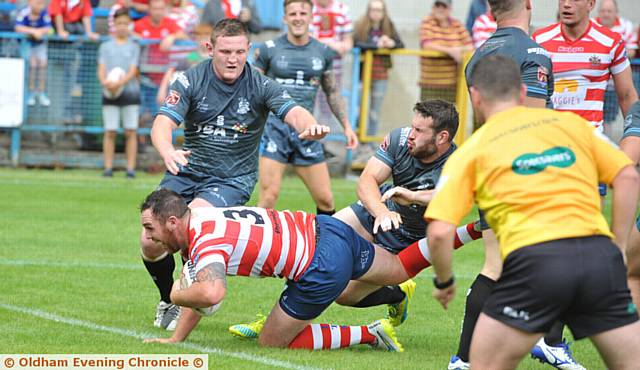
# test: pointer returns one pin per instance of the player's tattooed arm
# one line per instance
(334, 98)
(213, 272)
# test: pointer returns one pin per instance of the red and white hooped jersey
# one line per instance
(252, 241)
(483, 27)
(582, 67)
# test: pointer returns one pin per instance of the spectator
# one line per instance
(201, 36)
(484, 26)
(608, 17)
(185, 14)
(137, 10)
(73, 18)
(34, 21)
(243, 10)
(7, 15)
(476, 9)
(118, 61)
(372, 31)
(155, 57)
(331, 25)
(440, 32)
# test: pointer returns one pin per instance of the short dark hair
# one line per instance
(496, 77)
(121, 13)
(228, 27)
(499, 7)
(164, 203)
(287, 2)
(443, 113)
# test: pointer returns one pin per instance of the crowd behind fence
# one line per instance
(75, 93)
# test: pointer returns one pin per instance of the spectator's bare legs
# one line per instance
(33, 76)
(317, 180)
(271, 173)
(42, 75)
(108, 148)
(131, 148)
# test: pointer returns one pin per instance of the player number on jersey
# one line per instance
(245, 213)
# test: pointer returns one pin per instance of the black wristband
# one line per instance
(445, 284)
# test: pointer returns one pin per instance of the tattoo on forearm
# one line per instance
(334, 99)
(213, 272)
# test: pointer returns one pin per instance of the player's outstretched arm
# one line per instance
(161, 137)
(304, 122)
(338, 106)
(408, 197)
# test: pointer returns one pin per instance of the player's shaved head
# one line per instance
(228, 28)
(500, 8)
(496, 77)
(164, 203)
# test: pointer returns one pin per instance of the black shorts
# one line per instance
(580, 281)
(280, 142)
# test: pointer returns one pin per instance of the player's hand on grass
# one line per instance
(161, 340)
(387, 221)
(176, 158)
(444, 296)
(352, 138)
(314, 132)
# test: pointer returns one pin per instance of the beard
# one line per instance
(425, 151)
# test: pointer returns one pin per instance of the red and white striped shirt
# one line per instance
(332, 22)
(252, 241)
(483, 27)
(582, 67)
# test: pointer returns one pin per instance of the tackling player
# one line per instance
(534, 172)
(391, 215)
(318, 255)
(223, 104)
(301, 64)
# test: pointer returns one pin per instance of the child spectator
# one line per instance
(34, 21)
(117, 71)
(375, 30)
(155, 26)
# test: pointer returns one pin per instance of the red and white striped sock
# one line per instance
(415, 257)
(325, 336)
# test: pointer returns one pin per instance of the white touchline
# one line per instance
(138, 335)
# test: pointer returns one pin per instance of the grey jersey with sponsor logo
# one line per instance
(223, 123)
(298, 68)
(534, 61)
(410, 173)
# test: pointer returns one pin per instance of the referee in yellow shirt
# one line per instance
(535, 173)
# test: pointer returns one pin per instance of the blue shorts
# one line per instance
(228, 192)
(602, 189)
(394, 240)
(280, 142)
(341, 255)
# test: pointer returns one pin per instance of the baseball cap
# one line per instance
(444, 2)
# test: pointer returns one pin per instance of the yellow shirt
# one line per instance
(535, 173)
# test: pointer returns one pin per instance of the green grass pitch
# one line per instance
(72, 282)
